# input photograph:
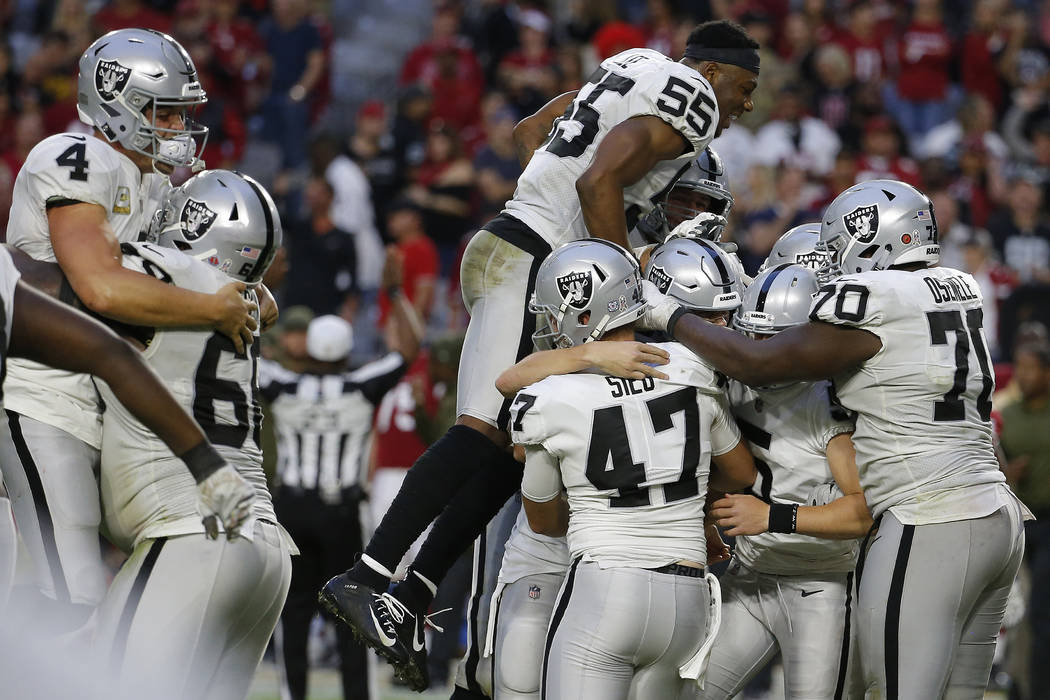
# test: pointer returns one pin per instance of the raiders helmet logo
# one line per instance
(196, 219)
(659, 277)
(110, 79)
(863, 223)
(576, 289)
(813, 260)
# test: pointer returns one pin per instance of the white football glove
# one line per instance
(225, 496)
(704, 225)
(661, 307)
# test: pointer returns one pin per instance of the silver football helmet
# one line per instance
(878, 224)
(225, 219)
(706, 176)
(798, 246)
(127, 76)
(777, 299)
(696, 272)
(584, 289)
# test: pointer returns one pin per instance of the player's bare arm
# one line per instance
(43, 276)
(732, 471)
(628, 359)
(407, 325)
(531, 131)
(847, 517)
(90, 257)
(623, 157)
(550, 518)
(812, 351)
(53, 334)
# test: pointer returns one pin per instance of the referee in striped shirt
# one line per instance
(323, 420)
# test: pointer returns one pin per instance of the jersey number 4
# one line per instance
(609, 443)
(966, 330)
(75, 157)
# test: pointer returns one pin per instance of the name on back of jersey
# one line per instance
(949, 289)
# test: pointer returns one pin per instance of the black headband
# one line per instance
(745, 58)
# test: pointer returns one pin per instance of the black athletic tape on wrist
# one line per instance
(202, 461)
(679, 312)
(783, 517)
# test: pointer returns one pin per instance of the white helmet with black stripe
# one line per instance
(126, 77)
(697, 273)
(779, 298)
(876, 225)
(583, 290)
(224, 218)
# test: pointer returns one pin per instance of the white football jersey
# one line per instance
(146, 491)
(923, 402)
(65, 168)
(528, 553)
(634, 83)
(633, 455)
(788, 429)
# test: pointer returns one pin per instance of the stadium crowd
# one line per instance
(948, 95)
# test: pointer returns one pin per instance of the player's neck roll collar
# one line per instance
(745, 58)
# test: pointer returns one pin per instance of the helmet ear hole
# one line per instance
(869, 251)
(182, 245)
(583, 318)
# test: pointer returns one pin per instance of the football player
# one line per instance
(635, 458)
(75, 200)
(797, 246)
(37, 328)
(702, 191)
(788, 591)
(188, 615)
(904, 343)
(622, 141)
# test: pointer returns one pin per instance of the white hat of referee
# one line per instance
(329, 338)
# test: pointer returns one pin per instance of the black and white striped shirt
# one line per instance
(324, 423)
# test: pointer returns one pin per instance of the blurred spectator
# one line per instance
(975, 119)
(786, 199)
(1026, 128)
(419, 257)
(1021, 233)
(981, 49)
(863, 42)
(922, 95)
(951, 232)
(776, 73)
(124, 14)
(795, 137)
(222, 112)
(975, 181)
(880, 156)
(660, 26)
(496, 163)
(351, 206)
(586, 17)
(238, 51)
(528, 73)
(995, 281)
(410, 131)
(448, 68)
(1026, 60)
(371, 146)
(1026, 443)
(570, 69)
(322, 259)
(831, 101)
(296, 60)
(291, 337)
(48, 81)
(615, 37)
(443, 188)
(29, 131)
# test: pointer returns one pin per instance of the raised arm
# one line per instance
(56, 335)
(811, 351)
(90, 258)
(531, 131)
(628, 359)
(625, 155)
(407, 325)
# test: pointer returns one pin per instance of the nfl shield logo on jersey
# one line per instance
(110, 79)
(196, 219)
(659, 277)
(534, 592)
(863, 223)
(576, 288)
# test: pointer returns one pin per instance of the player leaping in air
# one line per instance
(623, 140)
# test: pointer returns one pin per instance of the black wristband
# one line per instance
(679, 312)
(783, 517)
(202, 461)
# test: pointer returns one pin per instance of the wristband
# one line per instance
(783, 517)
(678, 313)
(202, 461)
